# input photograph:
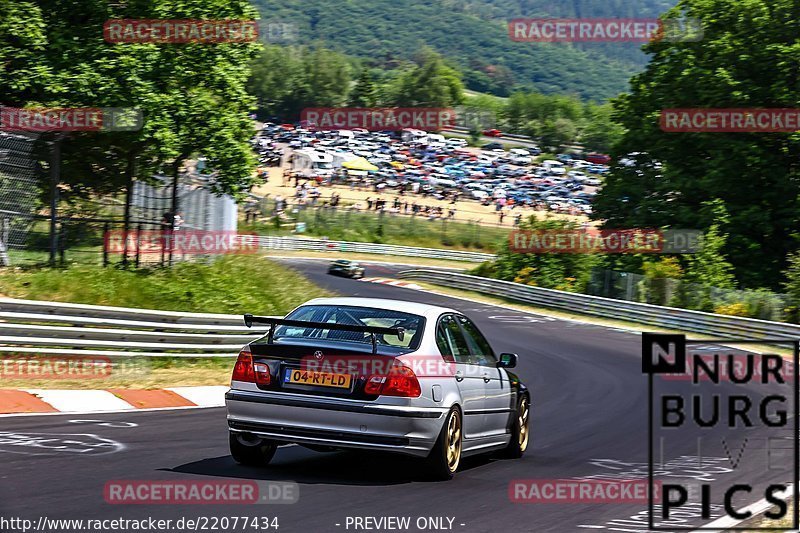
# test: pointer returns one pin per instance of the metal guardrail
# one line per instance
(654, 315)
(460, 130)
(322, 245)
(52, 328)
(39, 327)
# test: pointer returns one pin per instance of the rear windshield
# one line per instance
(354, 316)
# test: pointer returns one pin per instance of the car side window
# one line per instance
(478, 345)
(441, 341)
(455, 339)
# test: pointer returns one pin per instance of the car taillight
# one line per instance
(262, 373)
(400, 381)
(374, 385)
(243, 369)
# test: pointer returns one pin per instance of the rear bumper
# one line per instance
(335, 422)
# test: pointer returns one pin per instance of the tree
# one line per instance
(600, 132)
(709, 266)
(328, 77)
(557, 132)
(475, 135)
(22, 40)
(430, 84)
(747, 58)
(792, 286)
(285, 80)
(277, 75)
(192, 96)
(364, 93)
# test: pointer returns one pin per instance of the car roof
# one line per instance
(414, 308)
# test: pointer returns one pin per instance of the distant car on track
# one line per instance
(493, 133)
(380, 375)
(343, 267)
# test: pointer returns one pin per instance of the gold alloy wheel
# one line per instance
(453, 442)
(522, 421)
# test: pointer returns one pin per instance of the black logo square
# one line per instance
(663, 353)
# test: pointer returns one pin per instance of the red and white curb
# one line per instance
(96, 401)
(393, 283)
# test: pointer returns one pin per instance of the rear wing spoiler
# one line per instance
(249, 320)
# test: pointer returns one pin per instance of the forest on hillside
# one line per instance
(473, 35)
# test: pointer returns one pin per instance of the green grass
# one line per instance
(403, 230)
(233, 284)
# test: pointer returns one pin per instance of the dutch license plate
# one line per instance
(317, 379)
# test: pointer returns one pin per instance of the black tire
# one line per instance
(251, 450)
(520, 430)
(445, 457)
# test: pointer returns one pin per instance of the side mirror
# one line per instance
(507, 360)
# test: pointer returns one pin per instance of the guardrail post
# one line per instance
(62, 244)
(105, 244)
(161, 240)
(138, 244)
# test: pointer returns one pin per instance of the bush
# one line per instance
(484, 270)
(658, 287)
(568, 271)
(733, 309)
(526, 276)
(792, 287)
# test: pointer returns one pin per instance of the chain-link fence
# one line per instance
(269, 216)
(81, 227)
(198, 208)
(760, 304)
(19, 191)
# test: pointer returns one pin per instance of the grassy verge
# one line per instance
(760, 523)
(227, 285)
(403, 230)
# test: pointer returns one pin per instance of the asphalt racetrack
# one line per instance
(590, 404)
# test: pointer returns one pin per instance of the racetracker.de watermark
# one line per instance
(188, 242)
(278, 32)
(361, 365)
(732, 120)
(177, 492)
(600, 30)
(156, 31)
(475, 118)
(379, 118)
(43, 119)
(32, 367)
(612, 241)
(579, 491)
